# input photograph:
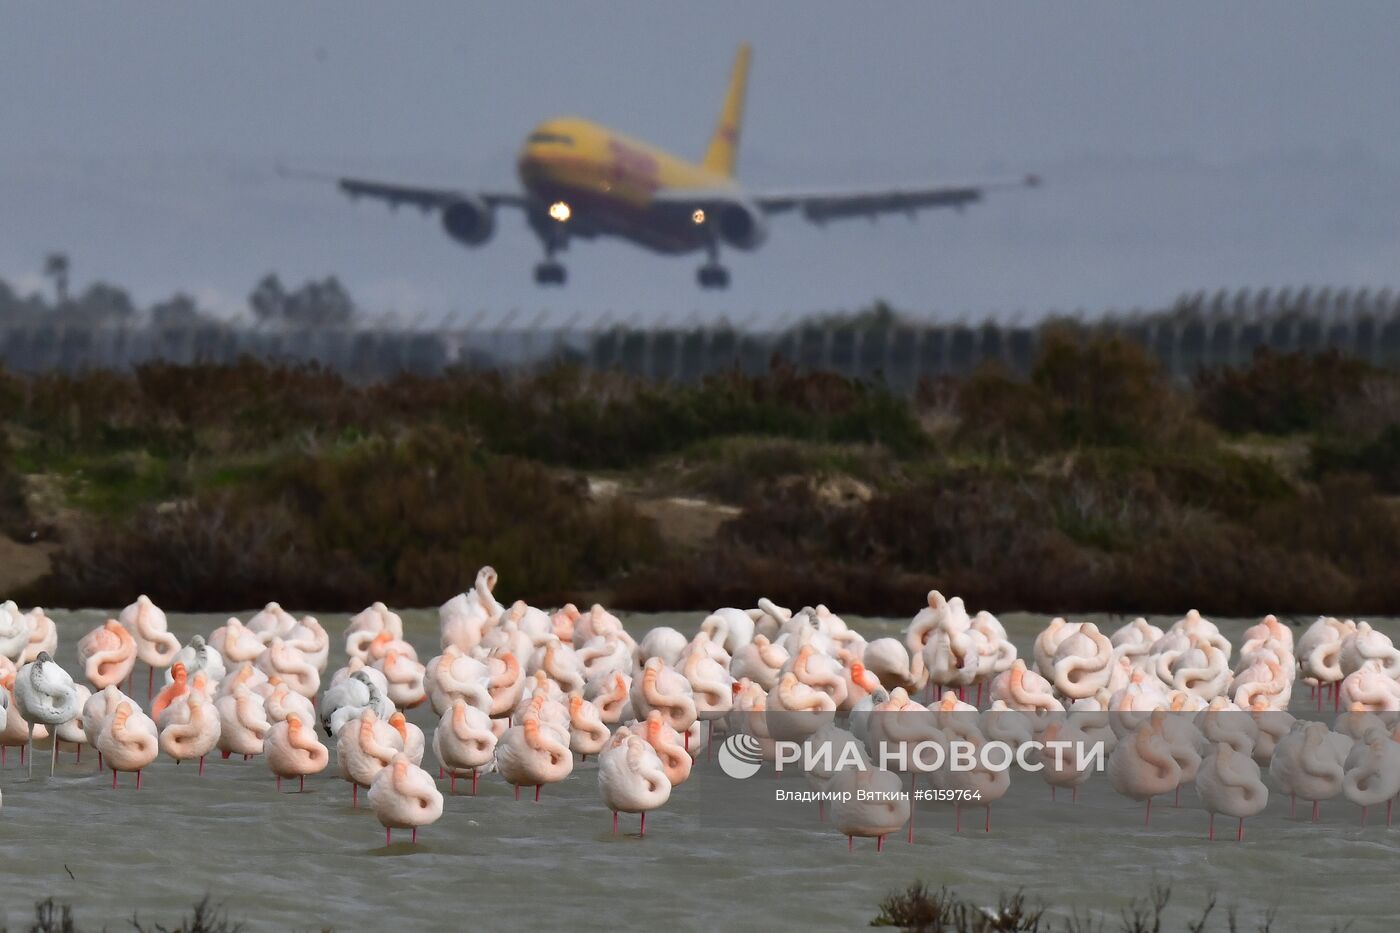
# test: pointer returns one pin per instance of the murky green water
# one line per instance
(307, 861)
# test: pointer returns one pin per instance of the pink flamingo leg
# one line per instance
(138, 780)
(388, 836)
(644, 822)
(201, 766)
(452, 785)
(1177, 802)
(517, 792)
(614, 832)
(1052, 793)
(879, 843)
(1210, 834)
(913, 778)
(473, 783)
(1239, 831)
(301, 787)
(710, 742)
(1074, 794)
(957, 818)
(988, 827)
(1388, 804)
(850, 843)
(1316, 808)
(279, 783)
(415, 835)
(114, 779)
(537, 793)
(1148, 820)
(355, 796)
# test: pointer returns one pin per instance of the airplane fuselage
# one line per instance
(607, 182)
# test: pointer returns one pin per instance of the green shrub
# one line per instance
(406, 520)
(1377, 458)
(1283, 393)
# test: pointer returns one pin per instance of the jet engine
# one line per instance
(741, 225)
(470, 221)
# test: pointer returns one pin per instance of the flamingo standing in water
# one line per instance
(464, 742)
(155, 646)
(292, 750)
(73, 731)
(243, 723)
(587, 732)
(363, 749)
(1228, 782)
(1374, 777)
(45, 695)
(107, 654)
(1309, 762)
(534, 753)
(192, 727)
(404, 796)
(882, 810)
(128, 741)
(1142, 766)
(631, 778)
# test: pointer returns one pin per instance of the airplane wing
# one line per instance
(821, 206)
(425, 198)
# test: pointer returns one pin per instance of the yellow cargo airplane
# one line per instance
(582, 181)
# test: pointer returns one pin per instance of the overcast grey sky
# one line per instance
(1184, 145)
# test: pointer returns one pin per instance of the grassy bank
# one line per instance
(1093, 484)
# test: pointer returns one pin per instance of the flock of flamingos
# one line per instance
(530, 695)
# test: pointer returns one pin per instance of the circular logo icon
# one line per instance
(740, 756)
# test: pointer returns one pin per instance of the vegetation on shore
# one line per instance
(918, 909)
(1094, 484)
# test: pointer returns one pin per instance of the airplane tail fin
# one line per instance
(724, 145)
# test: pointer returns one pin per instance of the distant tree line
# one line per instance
(314, 303)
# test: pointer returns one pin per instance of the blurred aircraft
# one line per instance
(582, 180)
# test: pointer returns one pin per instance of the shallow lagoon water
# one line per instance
(309, 861)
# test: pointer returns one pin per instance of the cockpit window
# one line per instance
(558, 138)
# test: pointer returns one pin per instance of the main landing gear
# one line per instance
(551, 272)
(712, 275)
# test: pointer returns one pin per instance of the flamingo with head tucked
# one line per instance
(191, 728)
(128, 741)
(45, 695)
(464, 742)
(404, 796)
(365, 748)
(155, 646)
(632, 778)
(292, 750)
(107, 654)
(534, 753)
(587, 731)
